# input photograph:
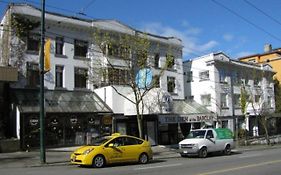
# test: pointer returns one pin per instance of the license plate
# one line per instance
(185, 152)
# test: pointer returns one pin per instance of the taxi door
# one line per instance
(113, 150)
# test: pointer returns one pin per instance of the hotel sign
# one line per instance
(166, 119)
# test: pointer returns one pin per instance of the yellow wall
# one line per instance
(275, 64)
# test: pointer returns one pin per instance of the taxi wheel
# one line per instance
(143, 159)
(98, 161)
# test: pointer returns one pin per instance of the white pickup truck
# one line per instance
(203, 141)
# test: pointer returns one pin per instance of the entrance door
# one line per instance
(151, 132)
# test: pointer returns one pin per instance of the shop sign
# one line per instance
(74, 121)
(185, 119)
(107, 120)
(33, 122)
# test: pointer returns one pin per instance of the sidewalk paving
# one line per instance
(60, 156)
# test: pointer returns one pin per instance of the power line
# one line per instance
(82, 12)
(263, 12)
(246, 20)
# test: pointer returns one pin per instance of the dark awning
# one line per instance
(59, 101)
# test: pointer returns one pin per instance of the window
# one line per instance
(189, 76)
(269, 103)
(33, 75)
(170, 61)
(252, 60)
(222, 76)
(246, 80)
(237, 103)
(156, 60)
(224, 101)
(204, 75)
(210, 134)
(206, 99)
(59, 76)
(141, 58)
(257, 82)
(112, 50)
(171, 84)
(80, 48)
(118, 76)
(257, 98)
(236, 78)
(59, 45)
(33, 43)
(156, 81)
(80, 77)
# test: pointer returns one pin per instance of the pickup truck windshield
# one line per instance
(196, 134)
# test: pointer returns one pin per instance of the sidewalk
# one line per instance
(60, 156)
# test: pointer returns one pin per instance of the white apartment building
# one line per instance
(76, 106)
(215, 81)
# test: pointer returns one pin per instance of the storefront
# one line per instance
(168, 128)
(72, 117)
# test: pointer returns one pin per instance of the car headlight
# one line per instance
(88, 151)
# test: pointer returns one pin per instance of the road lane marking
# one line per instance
(160, 166)
(240, 167)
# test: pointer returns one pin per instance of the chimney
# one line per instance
(267, 48)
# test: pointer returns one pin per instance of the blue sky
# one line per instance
(236, 27)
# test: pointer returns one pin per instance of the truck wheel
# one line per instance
(203, 152)
(227, 150)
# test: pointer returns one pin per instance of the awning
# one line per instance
(187, 112)
(59, 101)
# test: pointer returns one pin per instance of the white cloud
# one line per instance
(228, 37)
(189, 37)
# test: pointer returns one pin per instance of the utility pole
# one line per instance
(42, 98)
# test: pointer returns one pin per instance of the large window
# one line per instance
(224, 101)
(237, 103)
(170, 61)
(33, 43)
(206, 99)
(80, 77)
(59, 45)
(156, 81)
(204, 75)
(222, 75)
(117, 76)
(59, 76)
(33, 76)
(80, 48)
(171, 84)
(156, 60)
(189, 76)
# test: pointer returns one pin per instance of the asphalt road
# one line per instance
(262, 162)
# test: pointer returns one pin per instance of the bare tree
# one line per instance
(124, 59)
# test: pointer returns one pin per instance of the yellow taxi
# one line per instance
(116, 148)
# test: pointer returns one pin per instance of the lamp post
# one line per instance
(42, 99)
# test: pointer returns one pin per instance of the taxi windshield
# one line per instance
(196, 134)
(100, 141)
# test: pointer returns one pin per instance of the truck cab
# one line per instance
(203, 141)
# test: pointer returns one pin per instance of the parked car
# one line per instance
(116, 148)
(203, 141)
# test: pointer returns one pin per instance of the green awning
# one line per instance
(59, 101)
